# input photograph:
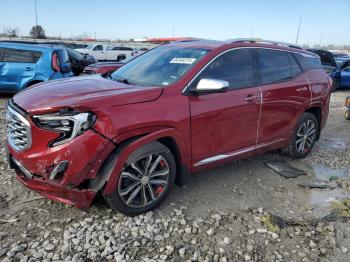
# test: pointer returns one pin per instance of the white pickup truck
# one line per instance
(104, 52)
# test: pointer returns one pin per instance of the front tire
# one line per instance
(145, 181)
(304, 137)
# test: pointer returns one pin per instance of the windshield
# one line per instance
(89, 46)
(159, 67)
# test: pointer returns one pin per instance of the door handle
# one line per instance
(302, 89)
(29, 69)
(251, 98)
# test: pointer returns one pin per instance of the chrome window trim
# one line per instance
(28, 129)
(235, 48)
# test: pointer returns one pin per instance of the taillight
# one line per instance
(347, 101)
(54, 63)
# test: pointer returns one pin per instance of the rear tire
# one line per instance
(147, 178)
(304, 136)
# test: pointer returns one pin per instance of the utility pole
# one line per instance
(296, 41)
(252, 32)
(173, 32)
(320, 41)
(36, 20)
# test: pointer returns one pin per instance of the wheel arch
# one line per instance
(169, 137)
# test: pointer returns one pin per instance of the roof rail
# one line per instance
(264, 41)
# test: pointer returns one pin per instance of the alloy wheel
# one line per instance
(143, 181)
(306, 136)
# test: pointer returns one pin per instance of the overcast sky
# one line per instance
(322, 21)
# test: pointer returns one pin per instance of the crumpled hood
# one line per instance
(82, 92)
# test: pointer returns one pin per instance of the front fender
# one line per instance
(135, 144)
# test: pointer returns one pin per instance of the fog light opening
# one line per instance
(58, 171)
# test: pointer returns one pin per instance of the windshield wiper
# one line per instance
(124, 81)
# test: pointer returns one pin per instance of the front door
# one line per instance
(223, 125)
(99, 53)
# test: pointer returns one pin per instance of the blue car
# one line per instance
(22, 65)
(345, 74)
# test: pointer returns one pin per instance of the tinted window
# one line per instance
(20, 56)
(98, 48)
(308, 61)
(274, 66)
(296, 70)
(235, 67)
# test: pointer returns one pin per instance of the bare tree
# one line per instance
(11, 31)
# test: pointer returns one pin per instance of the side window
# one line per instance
(98, 48)
(308, 61)
(235, 67)
(274, 66)
(1, 52)
(117, 48)
(296, 70)
(20, 56)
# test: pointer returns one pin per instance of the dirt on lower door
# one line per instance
(243, 210)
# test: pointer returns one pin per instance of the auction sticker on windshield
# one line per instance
(182, 60)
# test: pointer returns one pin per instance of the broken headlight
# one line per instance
(68, 125)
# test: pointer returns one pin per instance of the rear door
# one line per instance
(18, 69)
(224, 125)
(285, 94)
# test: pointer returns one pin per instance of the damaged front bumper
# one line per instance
(66, 173)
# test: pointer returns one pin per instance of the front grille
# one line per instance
(18, 130)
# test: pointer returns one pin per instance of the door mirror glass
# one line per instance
(210, 85)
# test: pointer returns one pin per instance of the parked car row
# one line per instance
(337, 66)
(104, 52)
(177, 109)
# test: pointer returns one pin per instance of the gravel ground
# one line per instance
(241, 211)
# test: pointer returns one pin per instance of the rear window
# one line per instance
(308, 61)
(20, 56)
(274, 66)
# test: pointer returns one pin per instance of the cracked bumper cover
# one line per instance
(85, 156)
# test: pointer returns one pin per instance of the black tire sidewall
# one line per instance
(304, 118)
(114, 200)
(347, 114)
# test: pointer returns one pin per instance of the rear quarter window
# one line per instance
(308, 61)
(20, 56)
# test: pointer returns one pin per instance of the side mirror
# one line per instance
(209, 85)
(66, 67)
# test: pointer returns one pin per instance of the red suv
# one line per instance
(177, 109)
